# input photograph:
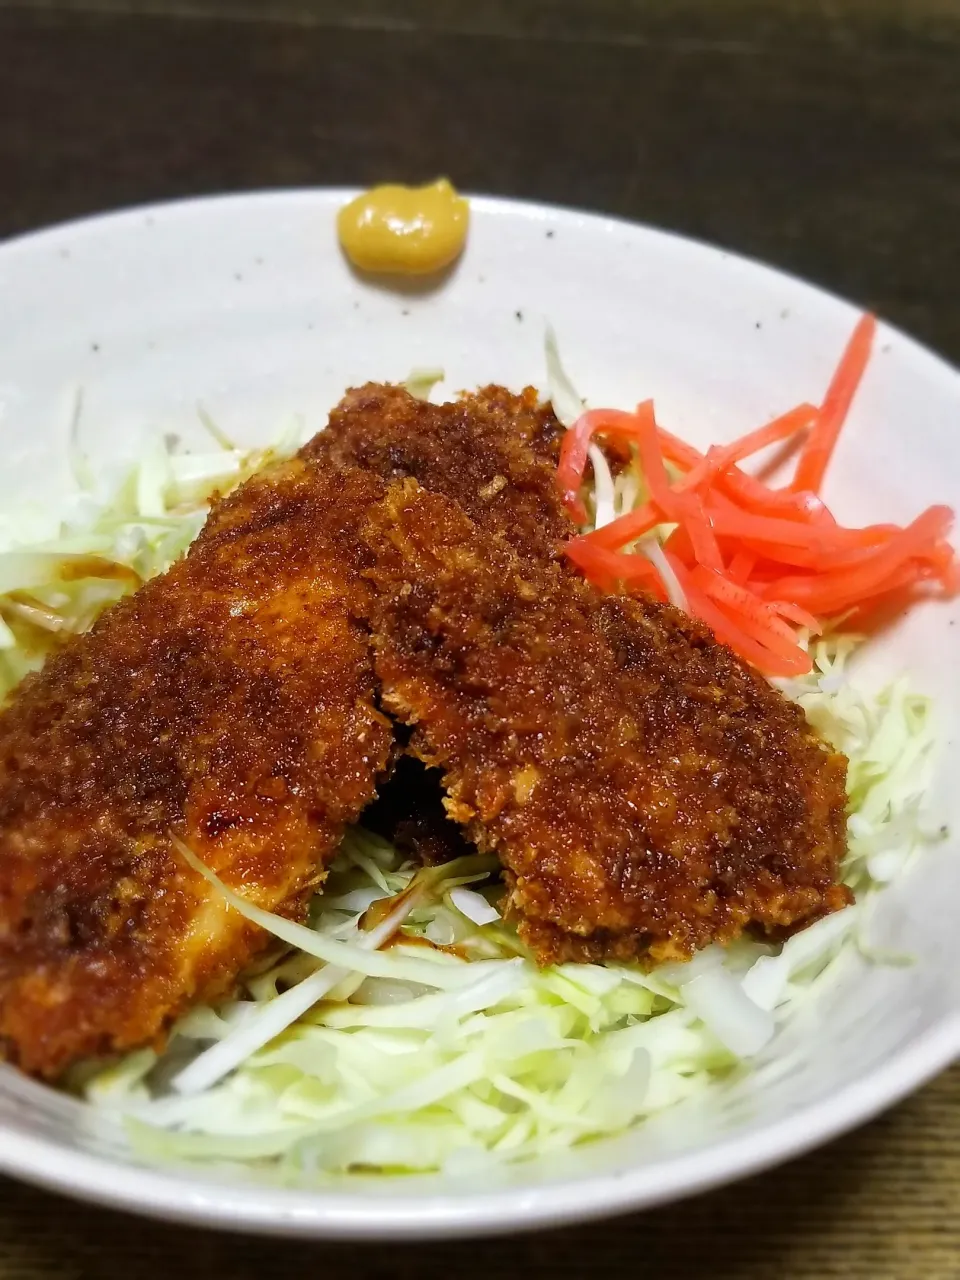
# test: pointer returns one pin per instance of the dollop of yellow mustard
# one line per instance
(404, 230)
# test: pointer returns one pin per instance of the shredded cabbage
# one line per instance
(564, 398)
(421, 382)
(58, 572)
(433, 1041)
(467, 1048)
(609, 497)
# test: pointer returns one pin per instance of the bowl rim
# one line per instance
(175, 1195)
(255, 1208)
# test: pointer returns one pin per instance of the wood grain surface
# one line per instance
(821, 135)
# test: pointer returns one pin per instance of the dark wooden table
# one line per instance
(822, 135)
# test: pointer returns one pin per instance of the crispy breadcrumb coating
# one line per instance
(646, 792)
(230, 700)
(493, 452)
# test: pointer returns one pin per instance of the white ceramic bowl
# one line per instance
(245, 303)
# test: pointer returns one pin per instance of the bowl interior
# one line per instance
(244, 304)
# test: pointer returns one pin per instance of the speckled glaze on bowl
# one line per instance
(245, 303)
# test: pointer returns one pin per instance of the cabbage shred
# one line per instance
(447, 1048)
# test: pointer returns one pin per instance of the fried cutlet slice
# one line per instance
(646, 792)
(230, 701)
(492, 452)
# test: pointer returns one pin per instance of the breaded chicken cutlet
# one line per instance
(492, 452)
(231, 701)
(495, 454)
(459, 450)
(645, 791)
